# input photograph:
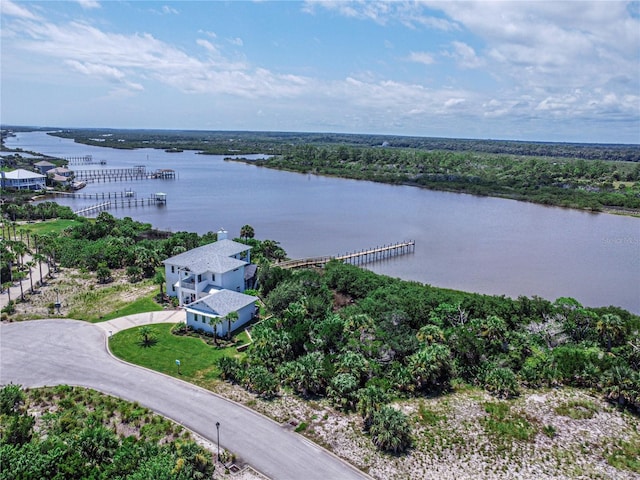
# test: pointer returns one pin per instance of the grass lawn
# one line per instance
(48, 226)
(197, 359)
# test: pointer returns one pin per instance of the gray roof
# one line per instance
(222, 303)
(44, 163)
(250, 271)
(213, 257)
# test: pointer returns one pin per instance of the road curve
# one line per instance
(53, 352)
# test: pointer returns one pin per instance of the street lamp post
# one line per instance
(57, 300)
(218, 430)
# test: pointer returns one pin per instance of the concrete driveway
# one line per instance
(52, 352)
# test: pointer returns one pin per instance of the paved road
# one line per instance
(52, 352)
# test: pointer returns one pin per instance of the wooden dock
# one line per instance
(84, 160)
(98, 196)
(123, 174)
(355, 258)
(123, 202)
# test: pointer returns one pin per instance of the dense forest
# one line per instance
(363, 340)
(587, 184)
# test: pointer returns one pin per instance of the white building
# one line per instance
(209, 282)
(22, 179)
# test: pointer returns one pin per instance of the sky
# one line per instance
(520, 70)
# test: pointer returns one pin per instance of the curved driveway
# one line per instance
(52, 352)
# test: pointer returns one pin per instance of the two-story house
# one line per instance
(209, 282)
(21, 179)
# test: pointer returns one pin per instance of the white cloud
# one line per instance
(11, 9)
(167, 10)
(208, 33)
(89, 4)
(465, 55)
(94, 69)
(207, 45)
(421, 57)
(237, 41)
(408, 13)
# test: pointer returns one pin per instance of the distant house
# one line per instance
(21, 179)
(209, 282)
(61, 171)
(43, 166)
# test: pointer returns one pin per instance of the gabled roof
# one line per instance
(44, 163)
(213, 257)
(21, 173)
(221, 303)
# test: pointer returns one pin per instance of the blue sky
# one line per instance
(548, 71)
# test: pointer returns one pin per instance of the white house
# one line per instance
(209, 313)
(22, 179)
(209, 282)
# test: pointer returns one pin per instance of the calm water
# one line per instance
(463, 242)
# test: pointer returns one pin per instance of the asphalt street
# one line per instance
(53, 352)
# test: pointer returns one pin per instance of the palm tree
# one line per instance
(611, 327)
(39, 257)
(20, 249)
(19, 276)
(30, 265)
(390, 430)
(370, 399)
(147, 336)
(7, 287)
(247, 232)
(158, 279)
(213, 321)
(230, 317)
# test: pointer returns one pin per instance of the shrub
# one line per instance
(261, 381)
(230, 369)
(502, 382)
(11, 399)
(390, 430)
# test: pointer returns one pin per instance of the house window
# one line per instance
(213, 277)
(173, 288)
(199, 278)
(173, 269)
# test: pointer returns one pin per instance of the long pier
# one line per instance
(123, 174)
(127, 202)
(84, 160)
(98, 196)
(355, 258)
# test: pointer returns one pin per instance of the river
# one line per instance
(464, 242)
